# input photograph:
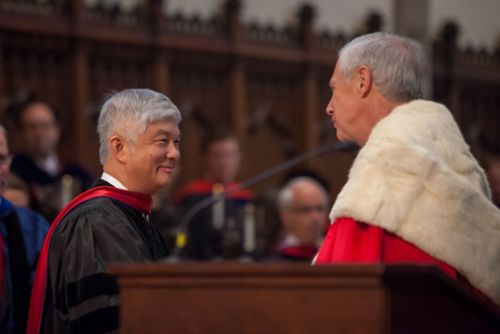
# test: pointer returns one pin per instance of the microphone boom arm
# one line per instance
(181, 238)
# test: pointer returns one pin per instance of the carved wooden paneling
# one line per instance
(38, 64)
(468, 82)
(268, 84)
(199, 88)
(274, 106)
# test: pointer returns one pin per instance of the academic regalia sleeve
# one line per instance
(349, 241)
(34, 228)
(85, 243)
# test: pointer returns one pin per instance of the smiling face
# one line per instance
(150, 162)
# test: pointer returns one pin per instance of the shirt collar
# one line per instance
(113, 181)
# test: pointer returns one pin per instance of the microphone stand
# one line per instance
(181, 238)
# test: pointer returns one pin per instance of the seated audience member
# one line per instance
(216, 230)
(138, 149)
(415, 193)
(38, 163)
(303, 205)
(21, 235)
(16, 191)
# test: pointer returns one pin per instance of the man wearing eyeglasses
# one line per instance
(21, 235)
(303, 207)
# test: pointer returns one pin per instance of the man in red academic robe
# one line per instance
(216, 231)
(415, 193)
(139, 147)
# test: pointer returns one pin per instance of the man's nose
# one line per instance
(329, 108)
(173, 153)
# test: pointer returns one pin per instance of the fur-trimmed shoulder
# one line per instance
(417, 178)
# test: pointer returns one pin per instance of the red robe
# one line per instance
(205, 188)
(349, 241)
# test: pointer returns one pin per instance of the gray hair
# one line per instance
(285, 195)
(397, 63)
(132, 108)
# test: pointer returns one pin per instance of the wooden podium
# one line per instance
(228, 297)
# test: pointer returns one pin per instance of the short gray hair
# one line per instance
(285, 195)
(132, 107)
(398, 64)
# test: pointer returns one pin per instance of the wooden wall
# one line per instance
(269, 85)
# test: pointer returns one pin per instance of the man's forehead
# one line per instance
(38, 109)
(335, 75)
(164, 126)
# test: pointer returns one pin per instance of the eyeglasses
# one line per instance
(5, 159)
(302, 210)
(43, 125)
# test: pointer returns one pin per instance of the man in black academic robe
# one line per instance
(50, 179)
(139, 137)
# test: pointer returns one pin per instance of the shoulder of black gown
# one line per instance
(92, 236)
(99, 230)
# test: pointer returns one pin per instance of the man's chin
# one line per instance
(164, 181)
(342, 137)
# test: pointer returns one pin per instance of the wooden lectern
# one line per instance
(274, 298)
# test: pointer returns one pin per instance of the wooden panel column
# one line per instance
(80, 98)
(80, 93)
(160, 67)
(308, 118)
(160, 72)
(238, 98)
(237, 72)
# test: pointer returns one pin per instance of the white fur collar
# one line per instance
(416, 177)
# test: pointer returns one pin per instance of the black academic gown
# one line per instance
(81, 297)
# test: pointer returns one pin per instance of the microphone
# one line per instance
(181, 238)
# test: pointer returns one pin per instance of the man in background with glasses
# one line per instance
(303, 208)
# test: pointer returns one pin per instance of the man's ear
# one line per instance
(118, 148)
(364, 80)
